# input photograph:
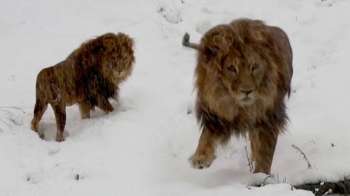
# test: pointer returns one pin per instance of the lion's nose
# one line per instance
(246, 91)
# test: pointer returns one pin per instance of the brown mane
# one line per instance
(94, 56)
(228, 56)
(89, 76)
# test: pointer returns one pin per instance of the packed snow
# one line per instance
(142, 148)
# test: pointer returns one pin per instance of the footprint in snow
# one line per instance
(47, 131)
(206, 10)
(203, 26)
(186, 107)
(33, 178)
(54, 150)
(323, 56)
(324, 3)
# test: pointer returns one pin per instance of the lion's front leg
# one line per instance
(205, 152)
(254, 145)
(104, 104)
(60, 115)
(266, 144)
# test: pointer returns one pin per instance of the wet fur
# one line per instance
(242, 56)
(89, 77)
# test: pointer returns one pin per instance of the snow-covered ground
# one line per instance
(143, 147)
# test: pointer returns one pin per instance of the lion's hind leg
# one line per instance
(60, 115)
(39, 110)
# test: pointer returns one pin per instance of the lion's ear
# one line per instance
(218, 45)
(129, 43)
(222, 43)
(211, 51)
(260, 34)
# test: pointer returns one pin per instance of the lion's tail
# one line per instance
(58, 92)
(186, 42)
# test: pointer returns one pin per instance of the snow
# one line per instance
(143, 147)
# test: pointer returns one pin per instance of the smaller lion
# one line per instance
(243, 74)
(89, 77)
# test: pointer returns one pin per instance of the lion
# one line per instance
(89, 77)
(242, 76)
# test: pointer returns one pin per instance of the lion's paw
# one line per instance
(200, 161)
(59, 138)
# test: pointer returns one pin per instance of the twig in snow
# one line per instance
(267, 177)
(161, 8)
(328, 192)
(5, 123)
(13, 108)
(291, 187)
(304, 156)
(158, 25)
(278, 179)
(176, 10)
(10, 117)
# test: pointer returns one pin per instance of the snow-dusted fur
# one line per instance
(243, 73)
(89, 76)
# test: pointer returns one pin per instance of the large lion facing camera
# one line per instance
(89, 76)
(243, 73)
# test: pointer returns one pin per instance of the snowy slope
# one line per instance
(143, 147)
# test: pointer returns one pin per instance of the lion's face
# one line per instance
(119, 59)
(120, 66)
(242, 76)
(238, 64)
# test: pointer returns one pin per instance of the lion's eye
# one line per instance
(232, 68)
(254, 67)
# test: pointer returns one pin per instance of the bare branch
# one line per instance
(304, 156)
(6, 123)
(176, 10)
(12, 108)
(11, 117)
(267, 177)
(158, 25)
